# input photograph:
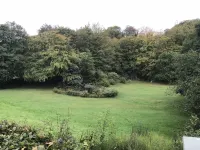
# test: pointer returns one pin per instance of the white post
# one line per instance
(191, 143)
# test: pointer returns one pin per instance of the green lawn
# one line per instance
(137, 103)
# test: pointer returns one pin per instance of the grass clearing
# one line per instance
(138, 104)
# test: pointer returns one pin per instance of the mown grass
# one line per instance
(138, 104)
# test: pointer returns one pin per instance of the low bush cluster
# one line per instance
(59, 91)
(73, 92)
(193, 127)
(92, 92)
(13, 136)
(109, 93)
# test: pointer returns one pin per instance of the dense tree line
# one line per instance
(95, 56)
(90, 54)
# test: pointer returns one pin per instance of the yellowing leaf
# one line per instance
(34, 148)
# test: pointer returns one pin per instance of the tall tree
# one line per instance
(114, 32)
(50, 56)
(130, 31)
(46, 27)
(182, 31)
(13, 45)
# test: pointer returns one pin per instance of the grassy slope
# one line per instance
(137, 103)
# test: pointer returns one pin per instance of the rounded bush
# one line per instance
(112, 81)
(113, 75)
(110, 93)
(89, 87)
(101, 74)
(59, 90)
(104, 82)
(122, 80)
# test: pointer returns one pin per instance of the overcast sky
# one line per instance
(157, 14)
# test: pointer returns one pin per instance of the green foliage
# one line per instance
(192, 42)
(188, 79)
(130, 31)
(109, 93)
(49, 57)
(64, 138)
(13, 136)
(45, 28)
(13, 45)
(127, 56)
(122, 80)
(182, 30)
(193, 127)
(59, 90)
(91, 53)
(92, 92)
(104, 82)
(114, 76)
(165, 68)
(74, 92)
(71, 92)
(188, 72)
(87, 67)
(112, 81)
(114, 32)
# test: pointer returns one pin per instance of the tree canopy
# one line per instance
(13, 46)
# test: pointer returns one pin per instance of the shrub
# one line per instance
(89, 91)
(113, 78)
(13, 136)
(113, 75)
(101, 74)
(73, 92)
(193, 127)
(96, 92)
(59, 90)
(64, 139)
(122, 80)
(104, 82)
(104, 92)
(109, 93)
(89, 87)
(112, 81)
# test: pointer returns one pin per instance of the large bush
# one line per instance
(192, 128)
(13, 136)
